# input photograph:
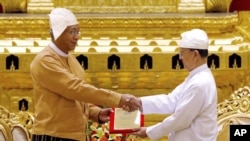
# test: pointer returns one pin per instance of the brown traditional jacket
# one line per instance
(62, 97)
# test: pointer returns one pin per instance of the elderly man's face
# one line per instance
(188, 58)
(68, 39)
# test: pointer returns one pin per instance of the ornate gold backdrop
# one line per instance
(116, 6)
(129, 36)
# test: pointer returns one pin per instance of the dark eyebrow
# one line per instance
(74, 28)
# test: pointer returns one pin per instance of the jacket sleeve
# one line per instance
(94, 112)
(50, 73)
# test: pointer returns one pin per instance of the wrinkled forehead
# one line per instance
(73, 27)
(181, 49)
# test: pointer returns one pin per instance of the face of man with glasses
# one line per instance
(68, 39)
(188, 56)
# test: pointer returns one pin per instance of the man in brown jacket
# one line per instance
(62, 97)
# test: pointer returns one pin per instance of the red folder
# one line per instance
(113, 128)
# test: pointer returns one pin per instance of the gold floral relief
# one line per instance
(14, 6)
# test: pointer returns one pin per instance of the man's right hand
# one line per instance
(130, 103)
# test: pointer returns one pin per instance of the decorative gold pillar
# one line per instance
(191, 6)
(40, 6)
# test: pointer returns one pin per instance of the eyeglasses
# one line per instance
(183, 53)
(75, 33)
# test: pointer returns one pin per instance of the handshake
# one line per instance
(130, 103)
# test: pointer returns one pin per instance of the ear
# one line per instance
(196, 53)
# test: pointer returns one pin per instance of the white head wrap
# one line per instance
(195, 39)
(60, 18)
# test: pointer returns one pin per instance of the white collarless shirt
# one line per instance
(193, 109)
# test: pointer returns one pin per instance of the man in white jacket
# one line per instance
(192, 105)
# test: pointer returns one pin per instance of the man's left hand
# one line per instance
(140, 132)
(104, 114)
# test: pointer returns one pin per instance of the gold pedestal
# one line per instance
(191, 6)
(38, 6)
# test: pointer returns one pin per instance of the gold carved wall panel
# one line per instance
(129, 36)
(114, 6)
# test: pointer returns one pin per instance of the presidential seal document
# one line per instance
(123, 122)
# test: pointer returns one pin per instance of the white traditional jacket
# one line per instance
(193, 109)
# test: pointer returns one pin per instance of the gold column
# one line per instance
(191, 6)
(40, 6)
